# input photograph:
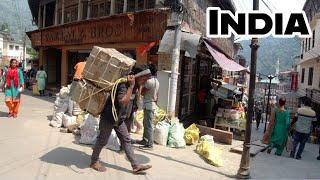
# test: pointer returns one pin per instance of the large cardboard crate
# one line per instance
(106, 65)
(90, 98)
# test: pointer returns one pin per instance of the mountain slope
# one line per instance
(17, 15)
(270, 50)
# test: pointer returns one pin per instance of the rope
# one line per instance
(113, 96)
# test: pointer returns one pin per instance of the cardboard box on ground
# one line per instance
(103, 67)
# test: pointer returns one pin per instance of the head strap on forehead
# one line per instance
(143, 73)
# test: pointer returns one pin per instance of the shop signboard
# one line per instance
(138, 27)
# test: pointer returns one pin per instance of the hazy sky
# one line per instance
(276, 5)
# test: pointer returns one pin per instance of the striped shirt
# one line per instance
(305, 117)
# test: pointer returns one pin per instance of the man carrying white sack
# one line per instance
(107, 123)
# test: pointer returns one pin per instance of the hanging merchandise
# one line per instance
(176, 136)
(161, 133)
(192, 134)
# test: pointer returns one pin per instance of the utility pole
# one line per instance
(244, 170)
(24, 49)
(176, 17)
(270, 77)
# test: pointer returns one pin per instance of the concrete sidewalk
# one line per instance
(30, 149)
(270, 166)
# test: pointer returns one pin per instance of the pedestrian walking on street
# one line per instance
(14, 86)
(41, 80)
(107, 123)
(258, 117)
(303, 124)
(150, 97)
(278, 128)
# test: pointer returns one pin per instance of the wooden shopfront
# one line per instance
(60, 46)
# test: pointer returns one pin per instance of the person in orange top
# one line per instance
(79, 67)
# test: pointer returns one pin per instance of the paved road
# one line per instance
(30, 149)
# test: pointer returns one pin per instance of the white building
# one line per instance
(309, 65)
(10, 49)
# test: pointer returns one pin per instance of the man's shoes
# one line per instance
(98, 167)
(298, 157)
(139, 169)
(318, 158)
(292, 155)
(269, 150)
(141, 142)
(146, 147)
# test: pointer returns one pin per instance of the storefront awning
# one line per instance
(189, 43)
(223, 61)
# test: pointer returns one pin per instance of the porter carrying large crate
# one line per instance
(103, 68)
(105, 65)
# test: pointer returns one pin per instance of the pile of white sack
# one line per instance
(67, 113)
(89, 132)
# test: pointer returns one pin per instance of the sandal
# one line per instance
(98, 167)
(139, 169)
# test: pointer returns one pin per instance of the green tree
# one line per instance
(32, 53)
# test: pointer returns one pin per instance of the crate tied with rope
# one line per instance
(103, 72)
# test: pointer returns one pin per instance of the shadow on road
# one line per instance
(186, 163)
(3, 114)
(68, 157)
(140, 158)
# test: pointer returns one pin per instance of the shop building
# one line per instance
(68, 29)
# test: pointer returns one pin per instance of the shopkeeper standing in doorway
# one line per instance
(79, 67)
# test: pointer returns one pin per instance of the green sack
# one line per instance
(176, 136)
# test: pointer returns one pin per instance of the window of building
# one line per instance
(302, 47)
(59, 16)
(108, 7)
(140, 5)
(11, 47)
(71, 14)
(17, 47)
(131, 5)
(313, 37)
(306, 45)
(102, 9)
(151, 4)
(309, 45)
(119, 6)
(302, 75)
(310, 78)
(84, 10)
(94, 10)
